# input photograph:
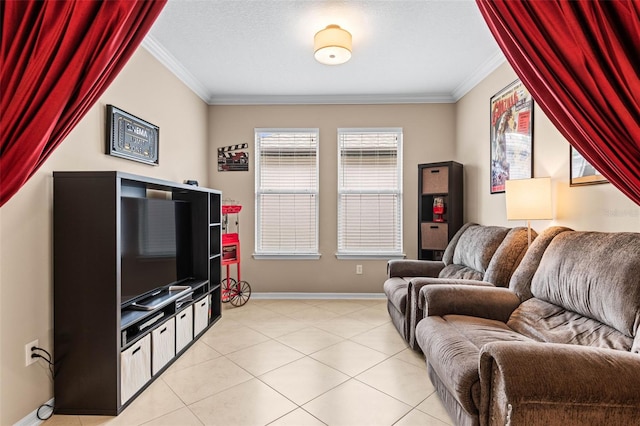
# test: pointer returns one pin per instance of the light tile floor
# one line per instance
(290, 363)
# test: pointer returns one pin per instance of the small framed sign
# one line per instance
(131, 137)
(233, 158)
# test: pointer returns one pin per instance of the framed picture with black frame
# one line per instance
(131, 137)
(581, 172)
(511, 122)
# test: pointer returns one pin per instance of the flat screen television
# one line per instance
(155, 237)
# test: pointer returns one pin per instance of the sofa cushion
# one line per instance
(447, 256)
(461, 272)
(545, 322)
(452, 344)
(507, 256)
(594, 274)
(476, 247)
(395, 289)
(520, 282)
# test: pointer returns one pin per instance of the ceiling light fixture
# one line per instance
(332, 46)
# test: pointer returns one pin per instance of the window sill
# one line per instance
(386, 256)
(284, 256)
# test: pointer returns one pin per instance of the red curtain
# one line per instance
(581, 62)
(56, 59)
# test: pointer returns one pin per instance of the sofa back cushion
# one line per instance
(508, 256)
(520, 282)
(447, 257)
(594, 274)
(473, 251)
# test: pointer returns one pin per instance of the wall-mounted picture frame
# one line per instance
(131, 137)
(233, 158)
(511, 122)
(581, 172)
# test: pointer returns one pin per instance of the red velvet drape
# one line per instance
(56, 59)
(581, 62)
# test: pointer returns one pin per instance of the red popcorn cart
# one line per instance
(236, 292)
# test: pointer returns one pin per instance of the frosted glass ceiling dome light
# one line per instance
(332, 46)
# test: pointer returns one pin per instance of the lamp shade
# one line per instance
(332, 46)
(529, 199)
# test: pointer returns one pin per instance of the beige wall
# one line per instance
(428, 136)
(432, 133)
(595, 208)
(144, 88)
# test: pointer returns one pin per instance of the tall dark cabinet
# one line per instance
(440, 207)
(110, 344)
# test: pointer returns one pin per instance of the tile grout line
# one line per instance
(243, 319)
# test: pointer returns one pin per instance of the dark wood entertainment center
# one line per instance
(105, 352)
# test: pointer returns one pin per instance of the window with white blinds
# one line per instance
(369, 192)
(286, 193)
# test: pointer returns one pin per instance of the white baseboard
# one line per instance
(285, 295)
(32, 419)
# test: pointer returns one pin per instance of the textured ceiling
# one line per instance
(256, 52)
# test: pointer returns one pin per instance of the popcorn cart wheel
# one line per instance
(236, 292)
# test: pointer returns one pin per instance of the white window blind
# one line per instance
(369, 192)
(286, 192)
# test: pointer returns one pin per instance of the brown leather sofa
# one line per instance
(560, 346)
(476, 255)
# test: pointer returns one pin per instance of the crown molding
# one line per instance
(172, 64)
(329, 99)
(478, 75)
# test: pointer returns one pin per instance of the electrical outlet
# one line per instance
(359, 269)
(27, 353)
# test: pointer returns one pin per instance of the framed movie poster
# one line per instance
(581, 172)
(511, 136)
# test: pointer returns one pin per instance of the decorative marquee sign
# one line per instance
(131, 137)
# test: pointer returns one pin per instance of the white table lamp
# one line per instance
(529, 199)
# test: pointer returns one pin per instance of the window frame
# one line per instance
(399, 192)
(291, 255)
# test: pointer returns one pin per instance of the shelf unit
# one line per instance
(107, 353)
(438, 180)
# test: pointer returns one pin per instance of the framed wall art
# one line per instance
(131, 137)
(511, 136)
(233, 158)
(581, 172)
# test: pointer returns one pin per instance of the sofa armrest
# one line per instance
(545, 383)
(416, 304)
(480, 301)
(419, 282)
(413, 268)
